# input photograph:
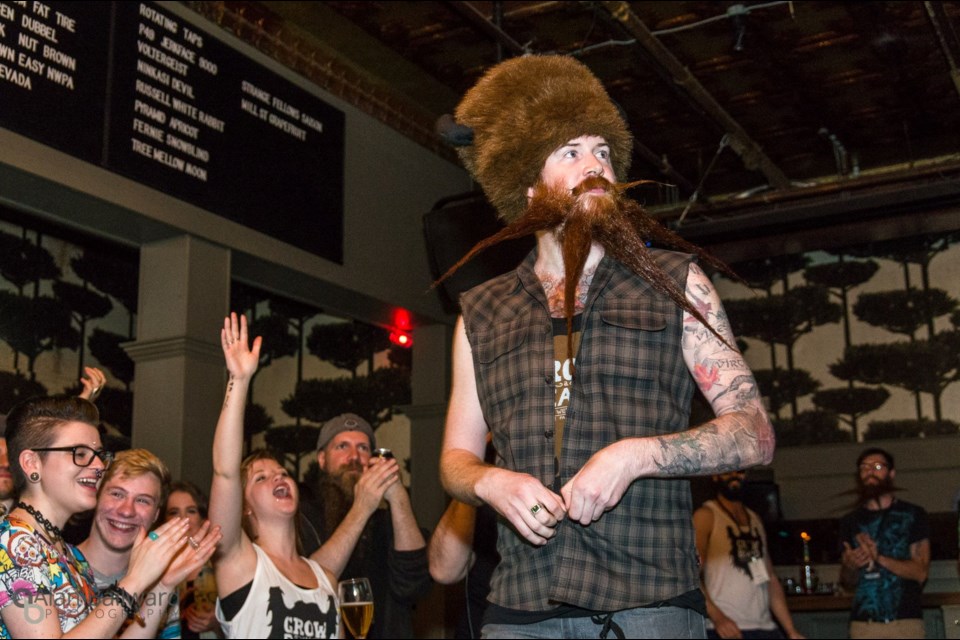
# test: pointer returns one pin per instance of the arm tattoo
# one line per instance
(226, 397)
(726, 444)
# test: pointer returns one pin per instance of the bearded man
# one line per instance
(886, 554)
(739, 582)
(384, 545)
(582, 363)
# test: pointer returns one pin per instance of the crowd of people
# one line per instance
(567, 441)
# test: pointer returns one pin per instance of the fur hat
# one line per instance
(525, 108)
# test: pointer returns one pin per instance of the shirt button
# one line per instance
(548, 434)
(548, 379)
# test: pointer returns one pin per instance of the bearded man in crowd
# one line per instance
(364, 538)
(886, 554)
(582, 363)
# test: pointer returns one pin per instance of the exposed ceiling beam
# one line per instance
(749, 151)
(480, 21)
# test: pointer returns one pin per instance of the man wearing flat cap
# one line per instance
(384, 545)
(582, 363)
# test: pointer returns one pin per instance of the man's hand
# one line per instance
(600, 484)
(374, 483)
(865, 542)
(724, 626)
(531, 508)
(856, 557)
(395, 491)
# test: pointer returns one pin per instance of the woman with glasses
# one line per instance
(46, 585)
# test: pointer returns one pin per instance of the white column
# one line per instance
(184, 294)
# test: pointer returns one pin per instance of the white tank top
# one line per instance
(726, 573)
(277, 608)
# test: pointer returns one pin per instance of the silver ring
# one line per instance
(193, 543)
(535, 509)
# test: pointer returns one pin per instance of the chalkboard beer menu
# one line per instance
(136, 89)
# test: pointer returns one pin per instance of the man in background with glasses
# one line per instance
(885, 555)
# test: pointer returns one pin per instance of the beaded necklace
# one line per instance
(55, 532)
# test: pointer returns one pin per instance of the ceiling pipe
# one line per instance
(944, 47)
(749, 151)
(477, 19)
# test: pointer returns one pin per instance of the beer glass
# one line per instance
(356, 605)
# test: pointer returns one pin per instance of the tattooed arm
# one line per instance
(740, 436)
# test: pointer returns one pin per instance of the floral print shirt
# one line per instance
(31, 568)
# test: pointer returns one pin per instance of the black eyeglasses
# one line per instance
(873, 466)
(83, 455)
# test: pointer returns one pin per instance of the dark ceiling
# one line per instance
(763, 109)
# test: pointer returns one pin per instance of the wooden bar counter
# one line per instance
(842, 602)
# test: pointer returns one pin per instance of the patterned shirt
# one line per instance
(881, 595)
(631, 381)
(31, 568)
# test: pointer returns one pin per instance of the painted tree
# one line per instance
(295, 442)
(782, 319)
(810, 427)
(22, 263)
(373, 397)
(759, 318)
(923, 366)
(15, 387)
(297, 316)
(840, 278)
(85, 305)
(347, 345)
(33, 326)
(105, 347)
(114, 273)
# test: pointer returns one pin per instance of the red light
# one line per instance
(402, 320)
(401, 339)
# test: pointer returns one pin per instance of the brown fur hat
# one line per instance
(525, 108)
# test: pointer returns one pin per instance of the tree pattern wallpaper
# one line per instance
(857, 344)
(69, 304)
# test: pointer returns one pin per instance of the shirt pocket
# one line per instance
(503, 369)
(631, 358)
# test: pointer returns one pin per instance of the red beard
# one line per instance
(618, 224)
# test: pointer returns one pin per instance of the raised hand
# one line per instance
(93, 382)
(242, 359)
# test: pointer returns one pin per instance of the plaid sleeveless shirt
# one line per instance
(631, 381)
